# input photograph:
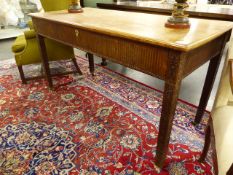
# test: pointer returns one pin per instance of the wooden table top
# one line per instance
(142, 27)
(210, 11)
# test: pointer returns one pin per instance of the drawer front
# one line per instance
(146, 58)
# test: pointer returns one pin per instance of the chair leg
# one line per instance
(21, 73)
(206, 144)
(76, 66)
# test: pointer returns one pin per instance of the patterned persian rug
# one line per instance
(107, 124)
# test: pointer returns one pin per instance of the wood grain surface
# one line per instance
(146, 28)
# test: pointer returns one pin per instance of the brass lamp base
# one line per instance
(178, 23)
(179, 19)
(75, 8)
(177, 26)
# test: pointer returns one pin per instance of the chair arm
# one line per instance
(30, 34)
(231, 74)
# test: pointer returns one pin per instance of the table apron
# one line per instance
(143, 57)
(199, 56)
(146, 58)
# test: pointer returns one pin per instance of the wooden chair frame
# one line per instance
(24, 79)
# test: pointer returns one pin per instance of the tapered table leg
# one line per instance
(45, 60)
(208, 85)
(170, 95)
(91, 63)
(209, 81)
(104, 62)
(206, 144)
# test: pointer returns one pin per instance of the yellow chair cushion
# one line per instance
(19, 44)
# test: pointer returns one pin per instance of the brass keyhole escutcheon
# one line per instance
(76, 33)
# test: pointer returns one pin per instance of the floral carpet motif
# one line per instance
(35, 149)
(106, 124)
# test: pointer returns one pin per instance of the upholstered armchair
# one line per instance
(26, 48)
(222, 116)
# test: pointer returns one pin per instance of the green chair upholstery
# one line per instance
(19, 44)
(54, 5)
(26, 48)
